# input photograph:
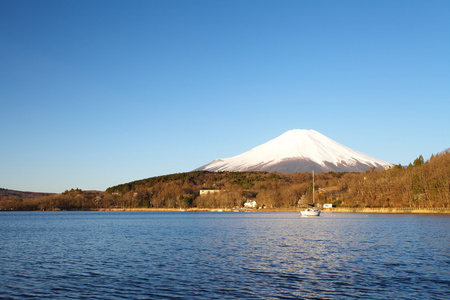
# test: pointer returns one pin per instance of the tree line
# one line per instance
(424, 184)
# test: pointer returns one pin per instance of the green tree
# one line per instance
(419, 161)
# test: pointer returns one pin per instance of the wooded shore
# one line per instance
(422, 187)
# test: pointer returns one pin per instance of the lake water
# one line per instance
(160, 255)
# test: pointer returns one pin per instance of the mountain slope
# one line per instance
(298, 150)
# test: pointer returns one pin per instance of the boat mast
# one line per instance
(313, 187)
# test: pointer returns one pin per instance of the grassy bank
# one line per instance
(380, 210)
(388, 210)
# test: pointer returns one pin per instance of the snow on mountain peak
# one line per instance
(294, 150)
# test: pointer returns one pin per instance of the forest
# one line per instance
(422, 184)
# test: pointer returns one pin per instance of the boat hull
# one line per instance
(310, 212)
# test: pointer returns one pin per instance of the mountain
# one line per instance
(298, 150)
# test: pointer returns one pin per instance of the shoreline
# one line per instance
(387, 210)
(362, 210)
(374, 210)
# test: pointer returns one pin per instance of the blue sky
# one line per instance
(99, 93)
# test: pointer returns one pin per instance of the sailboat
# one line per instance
(311, 211)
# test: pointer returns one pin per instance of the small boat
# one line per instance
(311, 211)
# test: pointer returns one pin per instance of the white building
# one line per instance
(250, 204)
(205, 192)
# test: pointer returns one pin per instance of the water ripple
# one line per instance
(209, 256)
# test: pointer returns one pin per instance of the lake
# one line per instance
(199, 255)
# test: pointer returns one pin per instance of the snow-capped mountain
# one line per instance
(298, 150)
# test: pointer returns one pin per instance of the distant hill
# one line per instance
(5, 193)
(298, 150)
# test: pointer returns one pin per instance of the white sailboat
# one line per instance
(311, 211)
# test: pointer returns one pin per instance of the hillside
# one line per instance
(5, 193)
(424, 184)
(421, 184)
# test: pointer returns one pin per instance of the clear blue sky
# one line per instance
(99, 93)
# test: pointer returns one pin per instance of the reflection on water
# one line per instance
(222, 255)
